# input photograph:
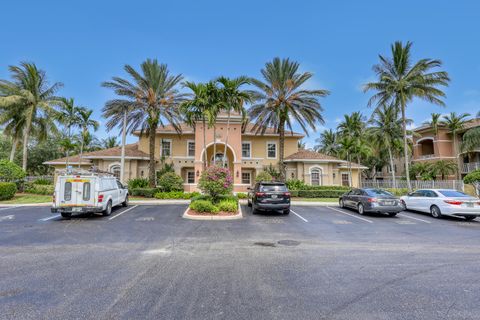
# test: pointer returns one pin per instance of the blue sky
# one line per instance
(82, 43)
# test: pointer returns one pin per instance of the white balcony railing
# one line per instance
(469, 167)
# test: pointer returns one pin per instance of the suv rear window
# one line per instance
(273, 187)
(453, 193)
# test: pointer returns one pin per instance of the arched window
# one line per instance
(115, 169)
(316, 177)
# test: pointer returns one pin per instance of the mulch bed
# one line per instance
(220, 213)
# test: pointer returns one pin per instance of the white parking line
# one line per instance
(351, 215)
(305, 220)
(418, 219)
(8, 208)
(111, 218)
(49, 218)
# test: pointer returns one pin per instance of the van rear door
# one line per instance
(76, 192)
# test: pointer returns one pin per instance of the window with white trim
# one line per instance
(190, 176)
(271, 150)
(246, 177)
(246, 149)
(316, 177)
(166, 148)
(191, 148)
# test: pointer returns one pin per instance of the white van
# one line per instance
(88, 192)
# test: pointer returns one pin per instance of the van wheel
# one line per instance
(66, 215)
(435, 212)
(125, 203)
(108, 209)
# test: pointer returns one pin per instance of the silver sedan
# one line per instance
(439, 202)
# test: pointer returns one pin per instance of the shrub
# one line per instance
(202, 197)
(398, 192)
(38, 189)
(43, 182)
(216, 181)
(241, 195)
(263, 176)
(144, 192)
(138, 183)
(472, 178)
(272, 171)
(9, 171)
(170, 181)
(7, 190)
(176, 195)
(203, 206)
(320, 193)
(295, 184)
(228, 205)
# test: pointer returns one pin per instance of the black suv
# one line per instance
(269, 196)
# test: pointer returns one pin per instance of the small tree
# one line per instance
(10, 172)
(216, 181)
(263, 176)
(474, 179)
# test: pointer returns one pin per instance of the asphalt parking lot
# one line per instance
(147, 262)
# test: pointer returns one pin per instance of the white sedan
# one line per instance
(440, 202)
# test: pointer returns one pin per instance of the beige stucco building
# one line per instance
(248, 153)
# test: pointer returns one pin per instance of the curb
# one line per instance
(212, 218)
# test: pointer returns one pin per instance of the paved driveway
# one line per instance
(146, 262)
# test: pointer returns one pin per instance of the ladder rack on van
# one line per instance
(83, 172)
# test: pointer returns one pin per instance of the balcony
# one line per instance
(469, 167)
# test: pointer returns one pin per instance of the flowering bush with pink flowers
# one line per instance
(216, 181)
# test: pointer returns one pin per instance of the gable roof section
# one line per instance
(131, 152)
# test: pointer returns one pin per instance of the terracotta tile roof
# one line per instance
(131, 151)
(310, 155)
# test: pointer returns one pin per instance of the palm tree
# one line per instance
(352, 125)
(109, 142)
(434, 123)
(301, 144)
(347, 147)
(400, 81)
(13, 124)
(233, 99)
(195, 109)
(282, 100)
(455, 123)
(69, 115)
(85, 122)
(327, 143)
(30, 94)
(88, 142)
(444, 168)
(386, 132)
(153, 99)
(213, 108)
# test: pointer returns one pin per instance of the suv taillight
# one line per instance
(100, 198)
(287, 194)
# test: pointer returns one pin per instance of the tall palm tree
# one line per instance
(400, 81)
(69, 115)
(386, 132)
(435, 122)
(327, 143)
(352, 125)
(153, 99)
(233, 99)
(455, 122)
(13, 124)
(194, 110)
(85, 122)
(347, 147)
(109, 142)
(30, 94)
(281, 100)
(214, 107)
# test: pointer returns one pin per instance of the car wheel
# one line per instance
(404, 205)
(435, 212)
(286, 211)
(66, 215)
(392, 214)
(360, 209)
(341, 203)
(125, 203)
(108, 209)
(469, 218)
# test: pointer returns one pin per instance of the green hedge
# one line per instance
(398, 192)
(7, 190)
(176, 195)
(38, 189)
(144, 192)
(203, 206)
(318, 193)
(228, 205)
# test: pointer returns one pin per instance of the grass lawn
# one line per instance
(316, 199)
(22, 198)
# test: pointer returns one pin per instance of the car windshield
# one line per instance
(453, 193)
(273, 187)
(378, 192)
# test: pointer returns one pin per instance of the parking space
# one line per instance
(149, 261)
